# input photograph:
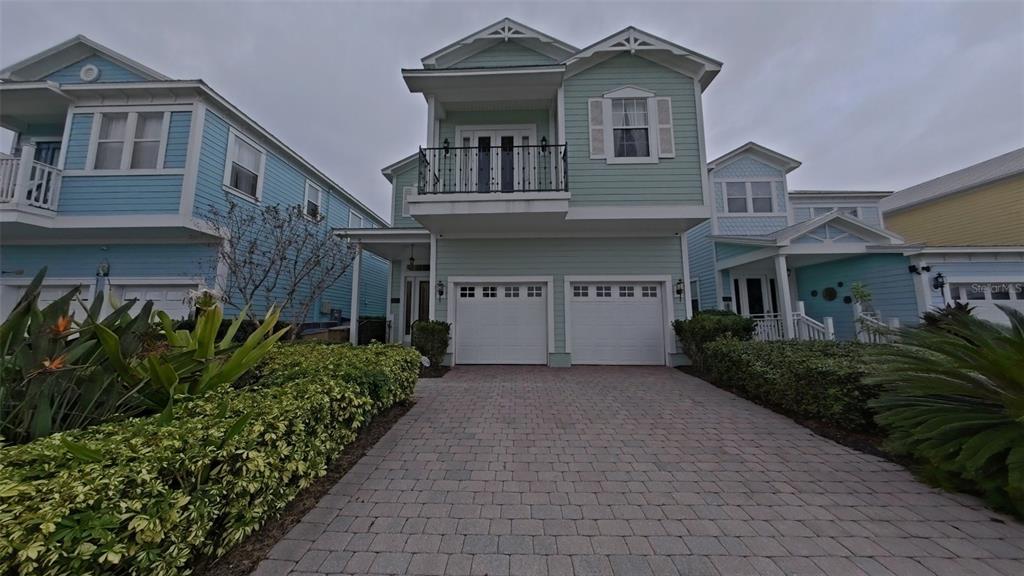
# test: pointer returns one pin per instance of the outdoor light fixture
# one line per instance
(103, 269)
(440, 289)
(543, 143)
(412, 258)
(446, 146)
(939, 282)
(915, 269)
(679, 289)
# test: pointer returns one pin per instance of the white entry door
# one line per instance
(497, 160)
(501, 324)
(617, 323)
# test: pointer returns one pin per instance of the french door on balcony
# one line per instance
(495, 160)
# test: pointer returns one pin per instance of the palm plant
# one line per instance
(954, 400)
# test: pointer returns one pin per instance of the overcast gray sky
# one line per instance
(866, 95)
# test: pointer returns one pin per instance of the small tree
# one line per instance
(276, 254)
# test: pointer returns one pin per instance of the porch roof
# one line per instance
(786, 236)
(388, 243)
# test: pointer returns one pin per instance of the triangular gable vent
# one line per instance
(506, 32)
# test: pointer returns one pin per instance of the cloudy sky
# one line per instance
(866, 95)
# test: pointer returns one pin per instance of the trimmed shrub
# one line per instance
(142, 497)
(386, 373)
(431, 338)
(814, 380)
(707, 326)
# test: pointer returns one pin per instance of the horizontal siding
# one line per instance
(541, 119)
(177, 139)
(702, 263)
(109, 72)
(671, 180)
(505, 54)
(373, 280)
(885, 275)
(558, 258)
(991, 215)
(408, 177)
(78, 142)
(724, 250)
(125, 260)
(120, 194)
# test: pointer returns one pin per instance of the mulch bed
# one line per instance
(244, 557)
(862, 441)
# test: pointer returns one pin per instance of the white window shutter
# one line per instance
(597, 127)
(407, 193)
(666, 134)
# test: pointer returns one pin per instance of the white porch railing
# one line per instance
(808, 328)
(870, 327)
(25, 182)
(768, 327)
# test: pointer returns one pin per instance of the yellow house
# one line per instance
(981, 205)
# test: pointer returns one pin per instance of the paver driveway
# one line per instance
(629, 471)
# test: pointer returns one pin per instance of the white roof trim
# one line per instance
(96, 47)
(389, 170)
(772, 157)
(629, 92)
(802, 228)
(503, 30)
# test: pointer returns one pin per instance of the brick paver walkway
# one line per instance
(629, 471)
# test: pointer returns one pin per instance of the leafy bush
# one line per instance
(707, 326)
(814, 380)
(58, 373)
(431, 338)
(144, 497)
(936, 317)
(385, 372)
(954, 400)
(247, 327)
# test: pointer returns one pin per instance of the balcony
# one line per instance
(28, 184)
(486, 169)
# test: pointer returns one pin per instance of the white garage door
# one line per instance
(501, 324)
(10, 294)
(617, 323)
(984, 297)
(169, 298)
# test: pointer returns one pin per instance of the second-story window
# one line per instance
(146, 140)
(129, 140)
(110, 141)
(630, 129)
(748, 197)
(243, 168)
(355, 220)
(314, 201)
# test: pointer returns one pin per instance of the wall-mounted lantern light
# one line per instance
(543, 143)
(446, 146)
(680, 290)
(939, 282)
(440, 289)
(103, 269)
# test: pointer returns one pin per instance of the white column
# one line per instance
(782, 283)
(28, 155)
(921, 287)
(687, 297)
(432, 309)
(353, 329)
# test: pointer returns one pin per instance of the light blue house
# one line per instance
(544, 215)
(790, 258)
(114, 170)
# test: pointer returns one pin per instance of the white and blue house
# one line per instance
(114, 170)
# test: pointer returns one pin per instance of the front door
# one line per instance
(415, 304)
(755, 295)
(48, 152)
(496, 160)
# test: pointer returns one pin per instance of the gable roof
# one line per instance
(399, 166)
(632, 40)
(1003, 166)
(771, 157)
(785, 236)
(68, 52)
(503, 30)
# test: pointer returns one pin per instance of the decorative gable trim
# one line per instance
(504, 30)
(629, 92)
(70, 51)
(758, 152)
(841, 221)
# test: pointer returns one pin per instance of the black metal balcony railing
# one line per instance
(487, 169)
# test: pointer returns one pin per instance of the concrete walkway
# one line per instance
(629, 471)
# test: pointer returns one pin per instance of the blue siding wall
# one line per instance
(120, 194)
(78, 142)
(126, 260)
(177, 139)
(109, 72)
(885, 275)
(724, 250)
(701, 251)
(284, 184)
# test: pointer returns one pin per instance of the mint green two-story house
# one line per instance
(545, 215)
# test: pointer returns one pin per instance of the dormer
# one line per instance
(750, 191)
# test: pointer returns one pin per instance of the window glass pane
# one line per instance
(148, 124)
(631, 143)
(761, 204)
(629, 112)
(112, 126)
(761, 189)
(736, 189)
(737, 205)
(970, 291)
(144, 154)
(246, 155)
(108, 155)
(243, 180)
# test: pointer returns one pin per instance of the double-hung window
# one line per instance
(630, 128)
(748, 197)
(129, 140)
(243, 170)
(314, 201)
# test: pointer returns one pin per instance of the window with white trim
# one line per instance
(355, 220)
(129, 140)
(631, 125)
(314, 201)
(243, 169)
(407, 193)
(630, 128)
(749, 197)
(489, 291)
(603, 291)
(467, 291)
(649, 291)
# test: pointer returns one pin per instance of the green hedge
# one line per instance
(385, 372)
(707, 326)
(814, 380)
(144, 497)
